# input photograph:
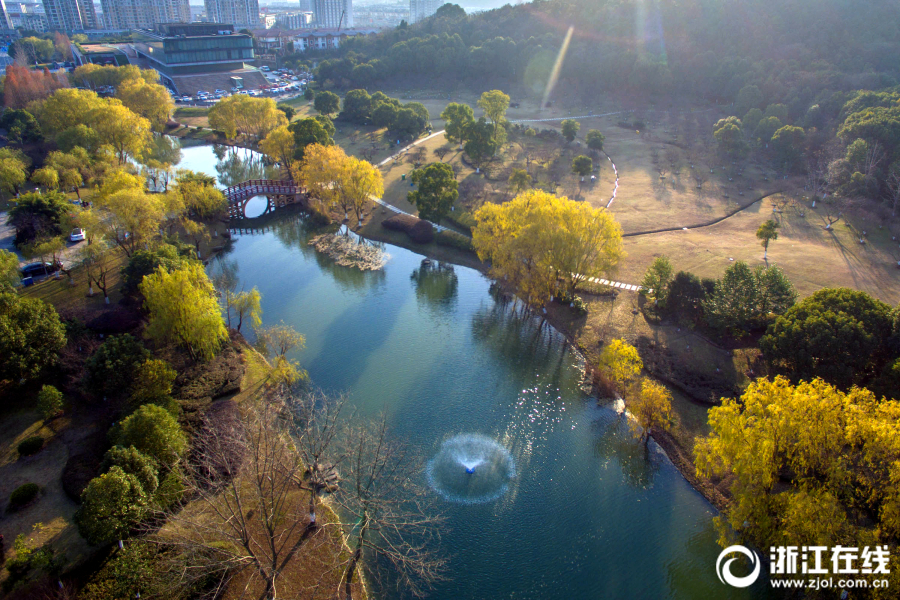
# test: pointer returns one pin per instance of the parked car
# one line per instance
(265, 68)
(186, 98)
(77, 235)
(39, 268)
(235, 90)
(202, 93)
(221, 92)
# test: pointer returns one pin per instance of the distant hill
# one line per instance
(793, 50)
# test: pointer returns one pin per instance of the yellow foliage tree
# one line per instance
(538, 238)
(279, 146)
(339, 180)
(117, 126)
(184, 309)
(651, 408)
(132, 217)
(64, 108)
(149, 100)
(620, 361)
(255, 117)
(318, 170)
(809, 465)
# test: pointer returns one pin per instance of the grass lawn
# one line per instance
(194, 116)
(72, 299)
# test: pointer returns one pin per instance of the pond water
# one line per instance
(569, 505)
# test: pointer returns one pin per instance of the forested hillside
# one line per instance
(795, 51)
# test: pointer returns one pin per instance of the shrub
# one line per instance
(153, 384)
(462, 219)
(134, 463)
(154, 432)
(31, 445)
(49, 401)
(80, 469)
(421, 233)
(22, 495)
(454, 240)
(399, 223)
(111, 505)
(111, 369)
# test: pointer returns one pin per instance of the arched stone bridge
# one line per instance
(279, 193)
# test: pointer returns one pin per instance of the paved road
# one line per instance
(8, 234)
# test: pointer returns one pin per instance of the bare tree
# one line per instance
(701, 176)
(834, 209)
(780, 202)
(417, 156)
(874, 156)
(247, 521)
(393, 523)
(893, 190)
(816, 177)
(442, 151)
(320, 418)
(224, 277)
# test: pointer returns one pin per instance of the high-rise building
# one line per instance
(5, 23)
(70, 15)
(243, 14)
(143, 14)
(331, 14)
(422, 9)
(298, 20)
(28, 15)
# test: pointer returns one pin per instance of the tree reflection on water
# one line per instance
(436, 286)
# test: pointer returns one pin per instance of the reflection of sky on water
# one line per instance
(588, 515)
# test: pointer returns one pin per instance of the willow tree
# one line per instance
(255, 117)
(538, 239)
(125, 131)
(149, 100)
(279, 145)
(184, 309)
(806, 464)
(620, 361)
(651, 409)
(132, 217)
(338, 180)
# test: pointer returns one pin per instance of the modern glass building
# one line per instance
(193, 48)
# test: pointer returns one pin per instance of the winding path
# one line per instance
(616, 284)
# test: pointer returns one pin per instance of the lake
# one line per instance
(585, 512)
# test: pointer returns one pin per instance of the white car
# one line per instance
(235, 90)
(77, 235)
(221, 92)
(186, 98)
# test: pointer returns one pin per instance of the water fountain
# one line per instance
(471, 469)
